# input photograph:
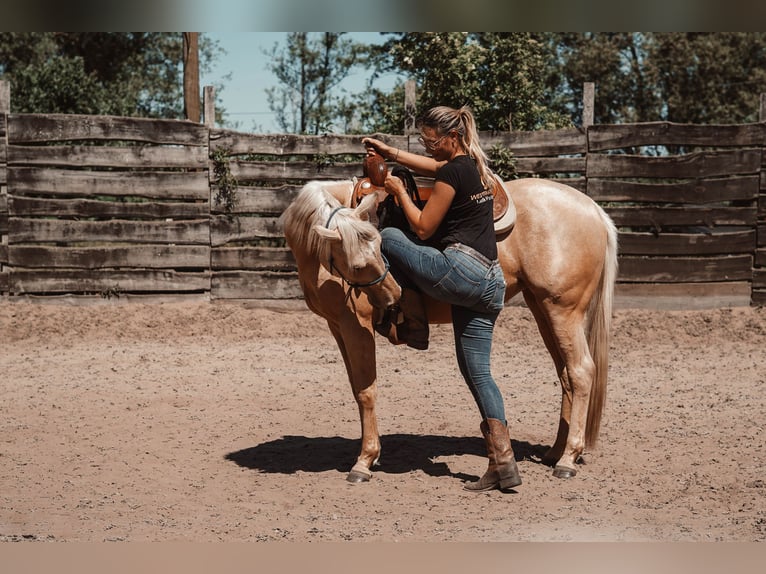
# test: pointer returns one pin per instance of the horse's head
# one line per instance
(351, 244)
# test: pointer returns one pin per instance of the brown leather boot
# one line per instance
(502, 471)
(406, 322)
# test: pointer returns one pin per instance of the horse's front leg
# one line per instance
(356, 341)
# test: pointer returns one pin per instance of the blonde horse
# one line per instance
(561, 255)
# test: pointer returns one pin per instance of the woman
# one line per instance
(451, 255)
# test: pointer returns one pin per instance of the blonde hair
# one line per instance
(444, 119)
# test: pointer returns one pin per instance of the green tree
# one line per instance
(131, 74)
(310, 69)
(713, 77)
(614, 62)
(500, 75)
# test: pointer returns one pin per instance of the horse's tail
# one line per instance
(599, 329)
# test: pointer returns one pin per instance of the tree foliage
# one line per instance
(708, 77)
(518, 80)
(537, 80)
(130, 74)
(310, 69)
(705, 78)
(499, 75)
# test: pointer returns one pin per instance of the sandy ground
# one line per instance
(220, 422)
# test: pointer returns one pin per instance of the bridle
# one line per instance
(333, 268)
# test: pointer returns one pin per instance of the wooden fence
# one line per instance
(96, 206)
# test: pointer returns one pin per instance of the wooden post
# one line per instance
(5, 97)
(588, 100)
(209, 103)
(409, 107)
(191, 76)
(762, 113)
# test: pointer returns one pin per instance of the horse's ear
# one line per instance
(367, 206)
(328, 234)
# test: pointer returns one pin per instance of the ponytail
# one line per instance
(473, 147)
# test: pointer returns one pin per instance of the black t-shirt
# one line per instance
(469, 219)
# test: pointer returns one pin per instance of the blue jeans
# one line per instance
(473, 286)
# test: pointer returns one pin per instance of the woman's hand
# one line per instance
(376, 146)
(395, 186)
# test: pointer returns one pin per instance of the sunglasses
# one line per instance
(430, 144)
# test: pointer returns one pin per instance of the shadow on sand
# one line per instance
(400, 453)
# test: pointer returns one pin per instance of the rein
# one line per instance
(333, 268)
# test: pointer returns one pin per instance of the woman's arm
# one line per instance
(420, 164)
(423, 222)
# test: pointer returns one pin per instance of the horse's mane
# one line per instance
(313, 206)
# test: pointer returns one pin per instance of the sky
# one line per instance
(244, 96)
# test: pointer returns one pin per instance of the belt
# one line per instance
(473, 253)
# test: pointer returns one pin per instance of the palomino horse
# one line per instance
(561, 255)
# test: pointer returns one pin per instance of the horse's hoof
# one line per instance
(356, 477)
(359, 473)
(563, 472)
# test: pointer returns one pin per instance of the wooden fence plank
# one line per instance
(686, 243)
(537, 143)
(155, 157)
(164, 185)
(263, 200)
(238, 143)
(252, 259)
(224, 229)
(3, 212)
(759, 279)
(84, 208)
(107, 282)
(693, 165)
(761, 233)
(134, 256)
(674, 296)
(294, 170)
(685, 269)
(547, 165)
(760, 257)
(663, 217)
(255, 285)
(29, 128)
(696, 191)
(603, 137)
(124, 231)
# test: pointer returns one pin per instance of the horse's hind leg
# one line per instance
(567, 343)
(568, 329)
(357, 346)
(557, 450)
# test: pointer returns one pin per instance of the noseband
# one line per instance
(332, 267)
